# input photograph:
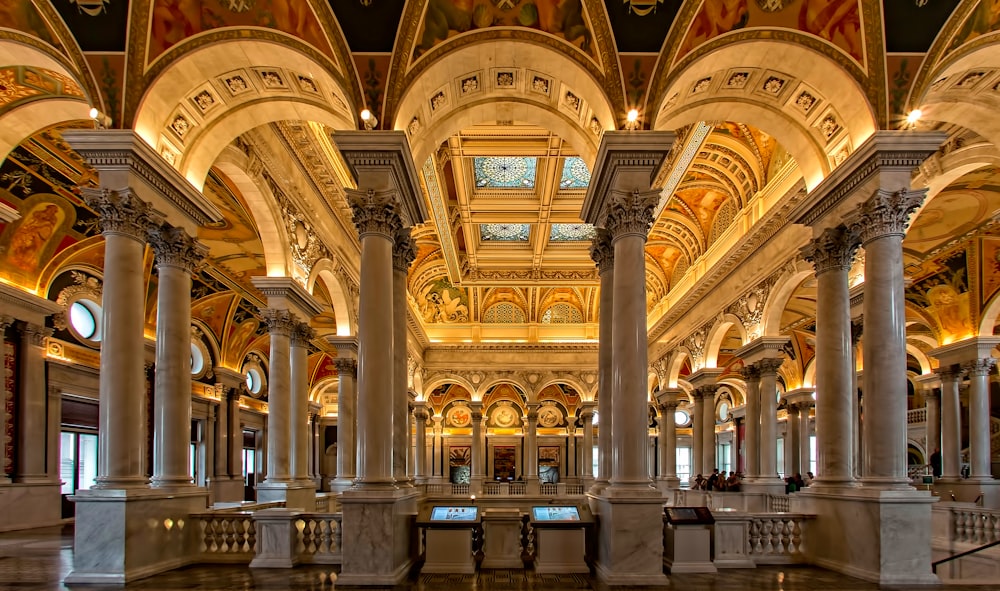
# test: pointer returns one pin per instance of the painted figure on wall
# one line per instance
(985, 18)
(838, 21)
(33, 234)
(716, 17)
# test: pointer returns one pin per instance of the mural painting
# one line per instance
(984, 18)
(504, 462)
(944, 295)
(836, 21)
(175, 20)
(990, 269)
(24, 17)
(444, 19)
(442, 302)
(235, 246)
(460, 465)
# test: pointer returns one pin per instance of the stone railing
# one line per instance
(968, 524)
(776, 538)
(503, 489)
(327, 502)
(777, 503)
(226, 536)
(916, 415)
(960, 527)
(232, 537)
(319, 538)
(548, 489)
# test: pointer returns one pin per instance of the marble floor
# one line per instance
(38, 560)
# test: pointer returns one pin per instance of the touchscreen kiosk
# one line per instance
(451, 514)
(550, 513)
(560, 539)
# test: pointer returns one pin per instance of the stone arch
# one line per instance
(172, 93)
(953, 166)
(263, 207)
(989, 316)
(718, 333)
(780, 294)
(323, 386)
(674, 365)
(835, 91)
(324, 270)
(530, 394)
(581, 388)
(212, 340)
(449, 378)
(921, 357)
(518, 103)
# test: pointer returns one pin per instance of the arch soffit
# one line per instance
(488, 384)
(780, 295)
(921, 357)
(211, 340)
(262, 206)
(322, 386)
(737, 388)
(325, 271)
(718, 333)
(20, 49)
(581, 389)
(674, 365)
(449, 378)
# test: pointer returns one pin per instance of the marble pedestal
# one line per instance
(24, 506)
(502, 538)
(560, 550)
(630, 538)
(688, 549)
(296, 495)
(127, 534)
(227, 490)
(882, 536)
(276, 538)
(380, 541)
(967, 490)
(732, 540)
(449, 551)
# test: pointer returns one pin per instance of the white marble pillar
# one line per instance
(280, 324)
(629, 218)
(932, 401)
(881, 224)
(668, 403)
(403, 253)
(978, 371)
(793, 462)
(768, 369)
(437, 467)
(301, 335)
(478, 469)
(697, 436)
(177, 255)
(420, 466)
(603, 254)
(5, 322)
(951, 423)
(121, 460)
(571, 449)
(377, 220)
(531, 446)
(347, 399)
(752, 434)
(831, 254)
(222, 436)
(803, 429)
(32, 419)
(587, 457)
(708, 443)
(54, 417)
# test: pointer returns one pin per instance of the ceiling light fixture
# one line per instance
(101, 121)
(369, 120)
(913, 117)
(632, 120)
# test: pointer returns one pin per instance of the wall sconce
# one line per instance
(368, 118)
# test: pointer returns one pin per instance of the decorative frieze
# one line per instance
(121, 212)
(832, 251)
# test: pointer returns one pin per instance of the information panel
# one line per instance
(551, 513)
(689, 515)
(453, 513)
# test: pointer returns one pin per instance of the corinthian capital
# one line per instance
(887, 213)
(375, 212)
(280, 322)
(404, 251)
(978, 367)
(631, 214)
(121, 212)
(302, 333)
(832, 251)
(35, 334)
(346, 366)
(601, 250)
(175, 248)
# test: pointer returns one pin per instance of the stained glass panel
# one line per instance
(571, 232)
(575, 174)
(508, 172)
(504, 232)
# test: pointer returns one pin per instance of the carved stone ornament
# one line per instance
(175, 248)
(886, 213)
(601, 250)
(302, 333)
(768, 366)
(750, 373)
(403, 252)
(375, 212)
(83, 284)
(34, 334)
(346, 366)
(832, 251)
(121, 212)
(978, 367)
(631, 214)
(280, 322)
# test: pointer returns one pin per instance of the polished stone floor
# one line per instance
(38, 561)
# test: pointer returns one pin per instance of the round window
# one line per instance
(85, 319)
(723, 411)
(197, 360)
(253, 381)
(681, 417)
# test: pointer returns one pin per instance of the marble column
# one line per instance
(881, 224)
(177, 255)
(280, 324)
(420, 467)
(571, 448)
(437, 461)
(347, 400)
(5, 322)
(301, 335)
(377, 220)
(698, 435)
(751, 376)
(587, 457)
(708, 443)
(32, 419)
(403, 253)
(831, 254)
(803, 429)
(768, 369)
(978, 371)
(629, 218)
(531, 448)
(932, 401)
(951, 423)
(603, 254)
(222, 436)
(124, 218)
(793, 461)
(668, 402)
(478, 470)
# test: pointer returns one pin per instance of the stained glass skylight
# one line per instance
(575, 174)
(504, 232)
(571, 232)
(506, 172)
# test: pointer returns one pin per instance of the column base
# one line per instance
(25, 506)
(227, 489)
(882, 536)
(630, 540)
(967, 491)
(668, 484)
(339, 485)
(114, 543)
(532, 486)
(293, 494)
(383, 532)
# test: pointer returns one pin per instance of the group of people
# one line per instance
(718, 482)
(797, 483)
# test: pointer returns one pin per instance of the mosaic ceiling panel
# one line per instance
(504, 232)
(505, 172)
(575, 174)
(571, 232)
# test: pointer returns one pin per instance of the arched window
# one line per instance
(562, 313)
(504, 313)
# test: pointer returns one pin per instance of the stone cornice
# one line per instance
(381, 160)
(800, 396)
(26, 306)
(284, 292)
(515, 347)
(117, 151)
(706, 376)
(229, 378)
(967, 350)
(762, 348)
(892, 151)
(626, 161)
(346, 346)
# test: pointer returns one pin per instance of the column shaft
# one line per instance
(32, 419)
(232, 402)
(530, 444)
(932, 400)
(587, 457)
(769, 418)
(793, 463)
(420, 468)
(477, 444)
(281, 323)
(951, 425)
(603, 254)
(299, 408)
(347, 400)
(668, 442)
(708, 431)
(804, 448)
(698, 437)
(402, 255)
(222, 437)
(979, 418)
(752, 445)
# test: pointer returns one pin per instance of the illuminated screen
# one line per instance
(550, 513)
(454, 513)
